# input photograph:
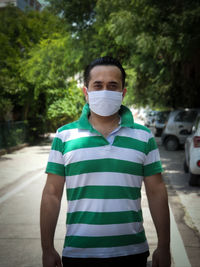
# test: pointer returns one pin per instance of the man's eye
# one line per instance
(112, 87)
(98, 86)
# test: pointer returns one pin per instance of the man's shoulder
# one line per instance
(141, 127)
(68, 126)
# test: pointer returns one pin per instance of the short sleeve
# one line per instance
(55, 163)
(152, 163)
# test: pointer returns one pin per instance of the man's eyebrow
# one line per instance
(97, 82)
(110, 82)
(113, 82)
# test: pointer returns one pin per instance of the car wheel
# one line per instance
(193, 181)
(185, 167)
(171, 143)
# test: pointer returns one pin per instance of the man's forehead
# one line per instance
(105, 70)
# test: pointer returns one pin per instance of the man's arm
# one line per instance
(158, 204)
(50, 207)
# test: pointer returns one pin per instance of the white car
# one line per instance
(178, 128)
(192, 154)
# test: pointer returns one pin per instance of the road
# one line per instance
(22, 180)
(184, 203)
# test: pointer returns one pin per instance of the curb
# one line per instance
(12, 149)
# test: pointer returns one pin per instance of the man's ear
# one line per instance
(85, 93)
(124, 92)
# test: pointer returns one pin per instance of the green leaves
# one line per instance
(36, 65)
(157, 43)
(66, 108)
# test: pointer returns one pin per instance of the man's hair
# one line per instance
(103, 61)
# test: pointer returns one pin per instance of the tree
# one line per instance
(79, 15)
(164, 41)
(36, 70)
(157, 42)
(22, 36)
(49, 69)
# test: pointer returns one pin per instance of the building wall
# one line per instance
(22, 4)
(4, 3)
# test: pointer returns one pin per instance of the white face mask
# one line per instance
(104, 102)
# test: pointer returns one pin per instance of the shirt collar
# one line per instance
(124, 112)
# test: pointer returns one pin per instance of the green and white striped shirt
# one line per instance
(103, 181)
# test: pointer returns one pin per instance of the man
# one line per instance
(104, 157)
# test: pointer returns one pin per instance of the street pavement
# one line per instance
(184, 203)
(22, 180)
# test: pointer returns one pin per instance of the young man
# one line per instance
(103, 158)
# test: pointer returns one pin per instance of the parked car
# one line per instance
(178, 128)
(160, 122)
(192, 154)
(150, 118)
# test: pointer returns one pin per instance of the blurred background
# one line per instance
(45, 46)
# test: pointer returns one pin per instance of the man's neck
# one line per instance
(104, 124)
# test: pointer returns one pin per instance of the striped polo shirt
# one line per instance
(103, 185)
